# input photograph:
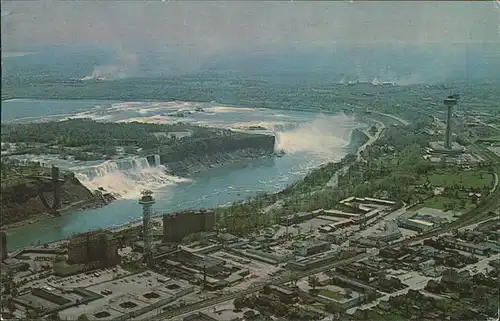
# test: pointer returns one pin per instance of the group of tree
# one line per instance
(100, 135)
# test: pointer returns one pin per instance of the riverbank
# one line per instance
(28, 196)
(72, 208)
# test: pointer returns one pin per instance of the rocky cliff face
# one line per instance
(203, 153)
(33, 198)
(357, 139)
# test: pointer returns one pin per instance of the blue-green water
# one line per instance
(309, 140)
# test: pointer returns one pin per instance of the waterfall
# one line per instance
(125, 178)
(157, 160)
(326, 134)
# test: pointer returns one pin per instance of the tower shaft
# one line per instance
(447, 143)
(147, 202)
(449, 102)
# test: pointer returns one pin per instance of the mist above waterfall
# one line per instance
(126, 178)
(323, 135)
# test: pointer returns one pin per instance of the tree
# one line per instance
(83, 317)
(335, 308)
(313, 282)
(33, 314)
(10, 305)
(371, 295)
(54, 317)
(239, 303)
(294, 278)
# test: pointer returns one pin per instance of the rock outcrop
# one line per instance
(32, 198)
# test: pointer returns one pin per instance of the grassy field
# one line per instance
(331, 294)
(469, 179)
(439, 202)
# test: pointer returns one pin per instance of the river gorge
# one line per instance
(308, 140)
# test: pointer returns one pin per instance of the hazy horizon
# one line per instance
(239, 25)
(416, 40)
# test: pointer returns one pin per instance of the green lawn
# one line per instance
(331, 294)
(439, 202)
(469, 179)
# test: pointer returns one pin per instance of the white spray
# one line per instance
(324, 135)
(126, 178)
(126, 65)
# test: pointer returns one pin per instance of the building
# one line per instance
(391, 232)
(465, 246)
(415, 225)
(179, 225)
(92, 247)
(49, 299)
(420, 222)
(440, 148)
(314, 261)
(312, 247)
(3, 245)
(296, 218)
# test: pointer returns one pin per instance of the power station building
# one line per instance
(179, 225)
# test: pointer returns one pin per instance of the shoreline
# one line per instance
(72, 208)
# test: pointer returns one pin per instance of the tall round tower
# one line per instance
(449, 102)
(147, 202)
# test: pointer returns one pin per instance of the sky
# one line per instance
(240, 26)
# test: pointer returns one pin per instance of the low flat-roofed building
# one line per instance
(313, 261)
(49, 300)
(296, 218)
(415, 225)
(391, 232)
(129, 297)
(422, 222)
(312, 247)
(380, 201)
(346, 282)
(439, 148)
(465, 246)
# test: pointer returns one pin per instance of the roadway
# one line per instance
(399, 119)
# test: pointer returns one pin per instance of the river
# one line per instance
(308, 139)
